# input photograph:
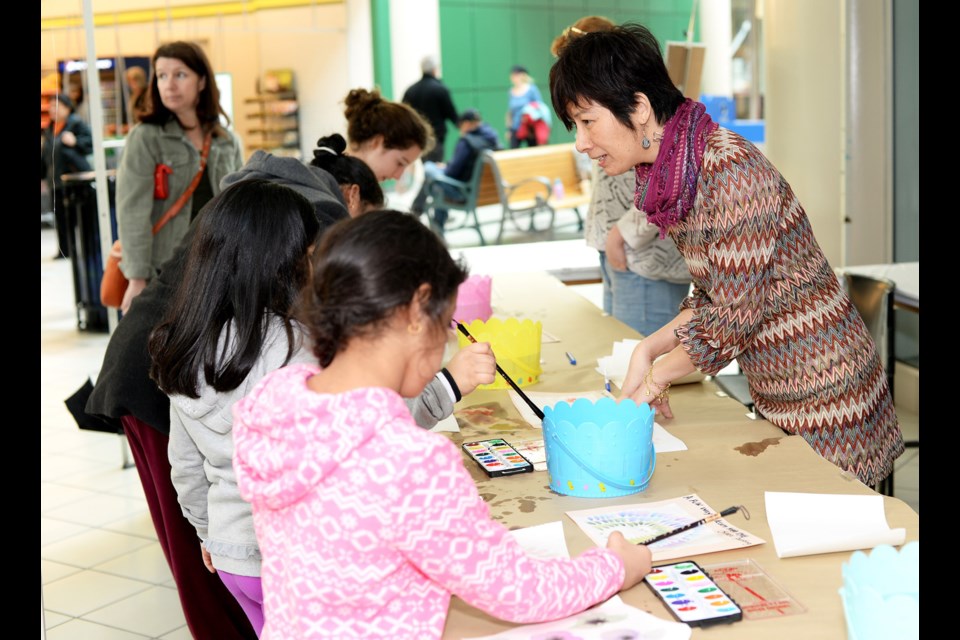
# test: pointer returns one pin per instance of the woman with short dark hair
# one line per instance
(763, 290)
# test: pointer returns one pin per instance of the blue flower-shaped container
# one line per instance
(599, 450)
(881, 593)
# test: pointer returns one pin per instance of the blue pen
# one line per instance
(606, 380)
(570, 357)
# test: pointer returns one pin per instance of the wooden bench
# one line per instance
(521, 182)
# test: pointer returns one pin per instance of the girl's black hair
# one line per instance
(346, 169)
(610, 68)
(365, 269)
(246, 263)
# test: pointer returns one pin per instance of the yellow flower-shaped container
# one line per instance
(516, 344)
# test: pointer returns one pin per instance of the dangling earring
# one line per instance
(645, 143)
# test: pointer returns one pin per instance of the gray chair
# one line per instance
(736, 386)
(873, 299)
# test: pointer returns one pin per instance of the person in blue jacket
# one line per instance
(476, 136)
(528, 117)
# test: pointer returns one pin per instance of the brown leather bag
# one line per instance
(113, 284)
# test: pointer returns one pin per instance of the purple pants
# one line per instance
(249, 594)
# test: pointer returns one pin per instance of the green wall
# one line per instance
(481, 39)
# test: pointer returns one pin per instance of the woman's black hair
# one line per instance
(365, 269)
(246, 263)
(610, 68)
(347, 169)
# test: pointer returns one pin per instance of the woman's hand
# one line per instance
(640, 362)
(134, 288)
(472, 366)
(207, 559)
(638, 388)
(615, 249)
(636, 558)
(68, 138)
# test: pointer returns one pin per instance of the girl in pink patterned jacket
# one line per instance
(367, 524)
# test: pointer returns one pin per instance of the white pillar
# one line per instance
(95, 101)
(716, 32)
(414, 33)
(359, 44)
(804, 109)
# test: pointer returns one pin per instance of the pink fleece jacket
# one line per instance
(367, 523)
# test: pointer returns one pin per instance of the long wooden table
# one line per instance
(731, 460)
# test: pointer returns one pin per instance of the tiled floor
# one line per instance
(103, 574)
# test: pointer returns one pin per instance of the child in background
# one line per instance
(367, 524)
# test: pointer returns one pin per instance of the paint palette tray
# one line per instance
(759, 595)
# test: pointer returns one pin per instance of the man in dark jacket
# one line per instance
(476, 136)
(66, 143)
(431, 98)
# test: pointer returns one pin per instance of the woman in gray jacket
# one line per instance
(179, 148)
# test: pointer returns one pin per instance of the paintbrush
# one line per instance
(710, 518)
(537, 410)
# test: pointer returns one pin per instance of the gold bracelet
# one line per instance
(661, 394)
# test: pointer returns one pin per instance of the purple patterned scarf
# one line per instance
(667, 188)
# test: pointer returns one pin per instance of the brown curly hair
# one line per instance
(369, 114)
(587, 24)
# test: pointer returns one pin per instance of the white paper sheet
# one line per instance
(611, 619)
(663, 440)
(544, 541)
(533, 450)
(547, 337)
(642, 521)
(615, 365)
(447, 424)
(809, 523)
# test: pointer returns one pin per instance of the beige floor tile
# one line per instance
(140, 525)
(53, 530)
(99, 510)
(83, 630)
(59, 466)
(155, 611)
(147, 564)
(183, 633)
(52, 619)
(110, 478)
(92, 547)
(54, 495)
(60, 439)
(52, 571)
(87, 591)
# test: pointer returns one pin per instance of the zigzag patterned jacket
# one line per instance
(765, 295)
(367, 523)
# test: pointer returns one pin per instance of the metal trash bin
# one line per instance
(86, 255)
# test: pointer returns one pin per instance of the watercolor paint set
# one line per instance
(497, 458)
(691, 595)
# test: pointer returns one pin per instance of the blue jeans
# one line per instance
(430, 172)
(643, 304)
